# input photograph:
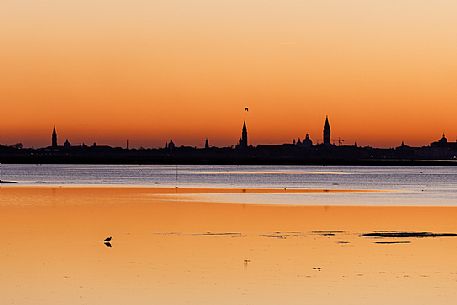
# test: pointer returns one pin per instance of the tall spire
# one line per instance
(326, 131)
(54, 137)
(244, 136)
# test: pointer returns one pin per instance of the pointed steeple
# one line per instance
(326, 131)
(244, 137)
(54, 137)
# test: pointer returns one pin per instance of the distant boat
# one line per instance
(4, 181)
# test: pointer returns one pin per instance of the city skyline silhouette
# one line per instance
(327, 150)
(228, 152)
(383, 72)
(326, 138)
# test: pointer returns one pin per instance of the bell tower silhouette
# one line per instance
(326, 131)
(54, 137)
(244, 137)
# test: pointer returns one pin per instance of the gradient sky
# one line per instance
(151, 70)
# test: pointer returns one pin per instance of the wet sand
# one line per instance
(180, 252)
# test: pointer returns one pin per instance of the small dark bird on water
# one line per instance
(246, 262)
(108, 239)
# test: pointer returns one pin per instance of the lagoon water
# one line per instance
(427, 186)
(296, 236)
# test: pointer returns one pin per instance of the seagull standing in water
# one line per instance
(107, 241)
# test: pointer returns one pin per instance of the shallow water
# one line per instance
(434, 186)
(270, 245)
(179, 252)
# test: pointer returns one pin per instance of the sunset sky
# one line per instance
(153, 70)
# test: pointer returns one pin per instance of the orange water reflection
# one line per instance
(52, 251)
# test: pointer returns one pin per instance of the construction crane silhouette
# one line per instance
(339, 141)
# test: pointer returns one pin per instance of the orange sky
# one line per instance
(104, 71)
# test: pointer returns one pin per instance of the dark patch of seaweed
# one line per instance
(326, 232)
(392, 242)
(399, 234)
(230, 234)
(283, 235)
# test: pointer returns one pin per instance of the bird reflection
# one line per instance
(246, 262)
(107, 241)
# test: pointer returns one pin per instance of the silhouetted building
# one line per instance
(404, 148)
(440, 142)
(171, 145)
(244, 137)
(54, 138)
(326, 132)
(66, 144)
(307, 141)
(295, 152)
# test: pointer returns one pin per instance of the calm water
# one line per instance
(405, 185)
(176, 252)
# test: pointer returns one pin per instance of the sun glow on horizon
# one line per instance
(150, 71)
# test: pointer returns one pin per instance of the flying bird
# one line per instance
(246, 109)
(108, 239)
